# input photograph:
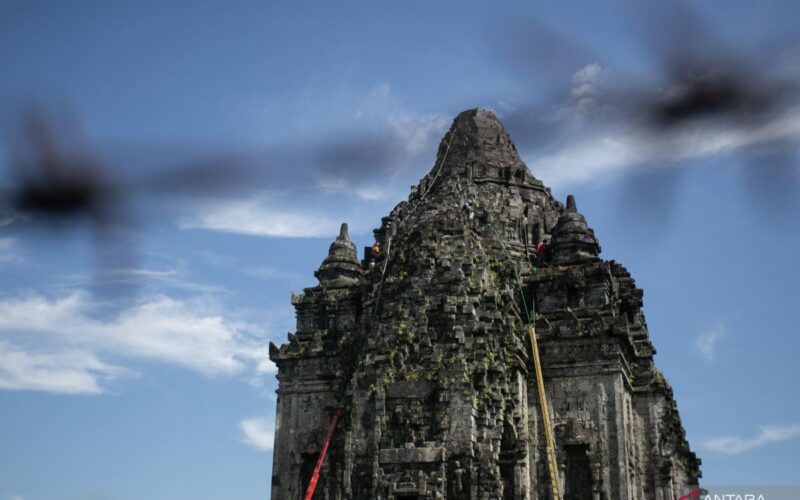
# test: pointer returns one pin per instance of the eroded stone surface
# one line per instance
(423, 348)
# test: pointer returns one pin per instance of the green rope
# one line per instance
(527, 254)
(516, 274)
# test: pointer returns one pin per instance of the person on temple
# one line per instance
(541, 251)
(468, 209)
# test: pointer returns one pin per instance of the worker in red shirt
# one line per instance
(541, 251)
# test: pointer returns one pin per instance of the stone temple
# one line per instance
(423, 349)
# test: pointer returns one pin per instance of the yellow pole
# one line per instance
(548, 430)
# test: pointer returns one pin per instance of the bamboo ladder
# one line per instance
(550, 442)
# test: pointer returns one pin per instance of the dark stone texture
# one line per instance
(423, 347)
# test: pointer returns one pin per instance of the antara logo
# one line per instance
(699, 494)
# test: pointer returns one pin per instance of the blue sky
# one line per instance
(166, 393)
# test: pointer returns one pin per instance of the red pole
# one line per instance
(312, 485)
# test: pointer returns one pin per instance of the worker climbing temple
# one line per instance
(413, 371)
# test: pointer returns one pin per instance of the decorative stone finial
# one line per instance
(341, 266)
(573, 242)
(571, 204)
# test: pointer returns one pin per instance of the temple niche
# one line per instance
(423, 349)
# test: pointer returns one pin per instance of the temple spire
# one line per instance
(573, 241)
(341, 266)
(478, 141)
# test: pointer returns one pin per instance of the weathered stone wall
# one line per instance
(424, 349)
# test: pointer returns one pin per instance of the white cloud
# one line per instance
(9, 250)
(768, 434)
(133, 273)
(411, 134)
(258, 216)
(15, 497)
(381, 107)
(416, 132)
(276, 274)
(361, 161)
(596, 135)
(585, 87)
(62, 372)
(706, 343)
(370, 193)
(10, 218)
(265, 365)
(597, 155)
(592, 73)
(367, 192)
(195, 334)
(258, 432)
(160, 278)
